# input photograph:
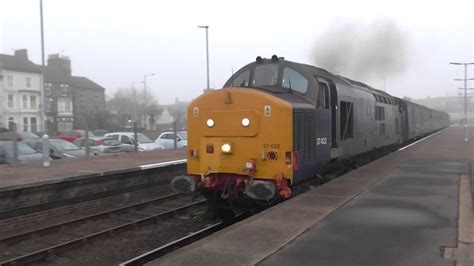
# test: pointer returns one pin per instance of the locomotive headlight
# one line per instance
(245, 122)
(226, 148)
(210, 122)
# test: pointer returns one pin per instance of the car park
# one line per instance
(74, 134)
(20, 135)
(60, 149)
(103, 145)
(144, 143)
(25, 153)
(166, 139)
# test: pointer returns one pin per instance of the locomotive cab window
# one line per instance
(242, 80)
(265, 75)
(294, 80)
(322, 100)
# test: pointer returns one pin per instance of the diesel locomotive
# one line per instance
(277, 123)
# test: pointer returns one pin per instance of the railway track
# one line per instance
(37, 245)
(156, 253)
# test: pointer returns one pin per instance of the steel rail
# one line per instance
(56, 227)
(41, 254)
(165, 249)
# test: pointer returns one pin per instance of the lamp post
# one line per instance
(465, 79)
(144, 85)
(45, 138)
(207, 52)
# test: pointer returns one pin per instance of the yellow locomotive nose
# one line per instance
(230, 127)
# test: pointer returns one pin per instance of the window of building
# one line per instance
(64, 126)
(294, 80)
(63, 91)
(25, 124)
(34, 124)
(64, 105)
(10, 101)
(382, 129)
(25, 101)
(347, 120)
(28, 82)
(241, 80)
(33, 101)
(322, 100)
(48, 104)
(11, 121)
(47, 88)
(67, 106)
(10, 81)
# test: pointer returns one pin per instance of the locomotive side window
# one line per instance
(242, 80)
(379, 113)
(347, 120)
(265, 75)
(322, 100)
(294, 80)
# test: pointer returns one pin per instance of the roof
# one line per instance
(18, 63)
(85, 83)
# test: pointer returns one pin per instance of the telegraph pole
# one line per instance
(465, 79)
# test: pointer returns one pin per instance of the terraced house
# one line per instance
(73, 102)
(20, 92)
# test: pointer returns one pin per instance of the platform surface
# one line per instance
(402, 209)
(35, 174)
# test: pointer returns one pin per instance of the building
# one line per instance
(89, 104)
(72, 102)
(20, 92)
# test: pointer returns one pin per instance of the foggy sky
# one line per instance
(116, 42)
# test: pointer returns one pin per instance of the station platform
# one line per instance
(411, 207)
(13, 177)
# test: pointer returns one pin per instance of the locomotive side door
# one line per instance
(323, 124)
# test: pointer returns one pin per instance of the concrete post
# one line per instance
(46, 157)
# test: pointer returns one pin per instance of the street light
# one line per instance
(465, 79)
(144, 82)
(207, 52)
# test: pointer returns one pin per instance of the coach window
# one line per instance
(322, 100)
(294, 80)
(242, 80)
(265, 75)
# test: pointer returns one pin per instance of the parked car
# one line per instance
(37, 145)
(25, 153)
(74, 134)
(166, 139)
(144, 143)
(103, 145)
(20, 135)
(100, 132)
(59, 149)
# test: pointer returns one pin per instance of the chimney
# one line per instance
(22, 53)
(60, 63)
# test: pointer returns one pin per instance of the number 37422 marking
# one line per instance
(321, 141)
(271, 146)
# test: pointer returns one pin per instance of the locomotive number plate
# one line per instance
(271, 146)
(321, 141)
